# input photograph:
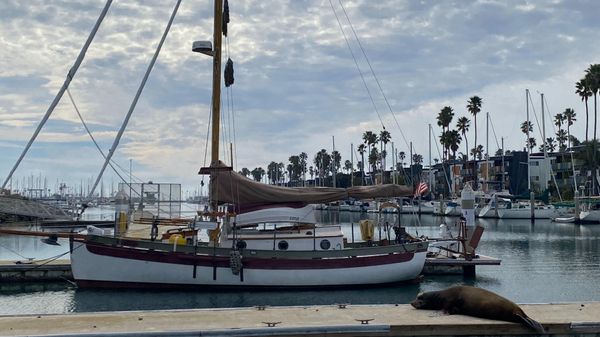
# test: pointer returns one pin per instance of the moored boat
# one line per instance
(264, 238)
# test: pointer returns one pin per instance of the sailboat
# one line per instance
(260, 236)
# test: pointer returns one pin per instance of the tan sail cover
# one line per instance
(232, 187)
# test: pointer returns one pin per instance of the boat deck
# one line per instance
(581, 319)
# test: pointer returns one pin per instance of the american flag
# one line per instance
(421, 189)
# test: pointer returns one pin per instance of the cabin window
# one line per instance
(283, 245)
(241, 244)
(325, 244)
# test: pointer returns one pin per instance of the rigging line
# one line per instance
(207, 135)
(440, 155)
(373, 72)
(536, 119)
(17, 253)
(494, 132)
(229, 135)
(234, 130)
(60, 93)
(357, 66)
(231, 112)
(93, 139)
(136, 98)
(224, 134)
(550, 115)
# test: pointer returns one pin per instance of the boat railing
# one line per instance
(288, 254)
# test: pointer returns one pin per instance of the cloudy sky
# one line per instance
(296, 84)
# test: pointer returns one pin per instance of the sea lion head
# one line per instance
(430, 300)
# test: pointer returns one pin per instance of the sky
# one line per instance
(296, 83)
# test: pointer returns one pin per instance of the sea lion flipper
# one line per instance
(532, 324)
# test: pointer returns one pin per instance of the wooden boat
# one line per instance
(292, 252)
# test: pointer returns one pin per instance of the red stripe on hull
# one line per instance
(248, 262)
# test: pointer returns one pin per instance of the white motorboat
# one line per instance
(522, 210)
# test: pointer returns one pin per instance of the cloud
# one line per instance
(296, 84)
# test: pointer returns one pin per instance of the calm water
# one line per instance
(541, 262)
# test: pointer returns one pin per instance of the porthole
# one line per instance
(325, 244)
(241, 244)
(283, 245)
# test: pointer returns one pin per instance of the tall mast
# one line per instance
(352, 162)
(544, 129)
(528, 147)
(487, 150)
(503, 154)
(216, 89)
(430, 167)
(333, 161)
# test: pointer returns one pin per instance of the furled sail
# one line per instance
(231, 187)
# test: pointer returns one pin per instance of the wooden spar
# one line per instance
(43, 234)
(216, 89)
(216, 95)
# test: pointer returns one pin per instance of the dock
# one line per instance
(457, 264)
(56, 270)
(570, 319)
(43, 270)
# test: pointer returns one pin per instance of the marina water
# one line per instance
(542, 262)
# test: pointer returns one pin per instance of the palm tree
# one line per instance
(417, 159)
(258, 173)
(583, 90)
(369, 138)
(373, 159)
(348, 166)
(272, 172)
(445, 141)
(463, 125)
(303, 161)
(526, 128)
(559, 119)
(444, 119)
(294, 168)
(280, 172)
(245, 172)
(402, 156)
(454, 140)
(322, 161)
(384, 137)
(531, 143)
(361, 150)
(569, 116)
(550, 145)
(477, 152)
(562, 138)
(592, 78)
(474, 107)
(336, 161)
(574, 141)
(589, 156)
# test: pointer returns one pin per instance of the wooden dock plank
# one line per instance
(387, 320)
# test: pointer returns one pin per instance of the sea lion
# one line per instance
(471, 301)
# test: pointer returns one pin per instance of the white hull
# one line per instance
(525, 213)
(133, 269)
(590, 216)
(488, 212)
